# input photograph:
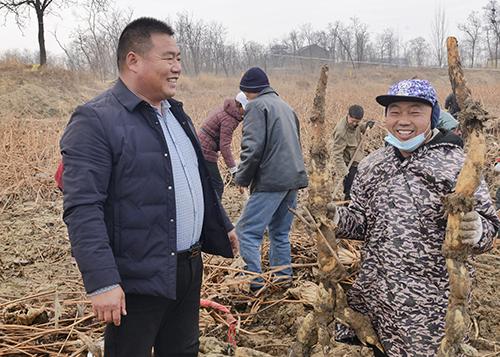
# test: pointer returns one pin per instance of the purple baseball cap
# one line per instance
(409, 90)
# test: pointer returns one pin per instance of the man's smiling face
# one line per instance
(405, 120)
(159, 68)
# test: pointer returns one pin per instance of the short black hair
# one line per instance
(136, 36)
(356, 111)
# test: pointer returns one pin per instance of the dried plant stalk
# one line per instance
(472, 117)
(331, 302)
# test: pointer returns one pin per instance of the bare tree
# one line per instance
(213, 47)
(472, 30)
(340, 39)
(322, 39)
(332, 36)
(232, 58)
(388, 45)
(21, 9)
(361, 38)
(254, 54)
(492, 29)
(438, 35)
(309, 36)
(371, 52)
(190, 35)
(295, 41)
(345, 40)
(70, 62)
(93, 44)
(418, 50)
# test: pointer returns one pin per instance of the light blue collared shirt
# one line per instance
(189, 202)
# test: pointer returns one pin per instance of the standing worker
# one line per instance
(138, 202)
(273, 167)
(346, 146)
(216, 135)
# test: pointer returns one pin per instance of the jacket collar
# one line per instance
(347, 128)
(125, 96)
(129, 100)
(446, 137)
(174, 103)
(267, 90)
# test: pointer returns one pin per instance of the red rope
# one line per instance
(231, 321)
(58, 175)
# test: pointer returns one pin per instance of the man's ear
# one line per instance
(132, 61)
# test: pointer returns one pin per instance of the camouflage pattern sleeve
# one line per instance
(489, 218)
(352, 219)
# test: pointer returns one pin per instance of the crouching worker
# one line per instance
(216, 135)
(397, 210)
(347, 145)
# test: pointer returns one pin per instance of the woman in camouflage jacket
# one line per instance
(397, 209)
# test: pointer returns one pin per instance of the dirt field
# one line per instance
(43, 310)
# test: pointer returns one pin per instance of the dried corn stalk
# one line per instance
(330, 302)
(472, 117)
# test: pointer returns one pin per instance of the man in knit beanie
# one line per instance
(272, 166)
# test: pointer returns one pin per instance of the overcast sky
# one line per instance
(265, 20)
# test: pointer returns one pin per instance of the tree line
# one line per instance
(205, 47)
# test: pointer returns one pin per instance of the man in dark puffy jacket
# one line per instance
(216, 135)
(272, 165)
(139, 204)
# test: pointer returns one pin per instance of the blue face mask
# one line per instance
(407, 145)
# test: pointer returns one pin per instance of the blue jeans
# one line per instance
(267, 210)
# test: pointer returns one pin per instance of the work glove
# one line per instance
(232, 174)
(233, 170)
(370, 124)
(470, 229)
(332, 212)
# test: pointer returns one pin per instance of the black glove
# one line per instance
(370, 124)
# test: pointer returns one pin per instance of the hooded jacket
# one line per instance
(216, 133)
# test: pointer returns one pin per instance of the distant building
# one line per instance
(279, 50)
(313, 51)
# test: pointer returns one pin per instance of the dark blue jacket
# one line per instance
(118, 206)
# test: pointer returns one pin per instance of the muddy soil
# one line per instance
(35, 258)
